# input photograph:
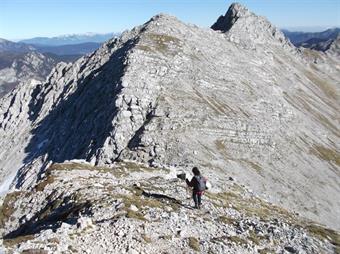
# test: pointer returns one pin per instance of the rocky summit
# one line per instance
(92, 153)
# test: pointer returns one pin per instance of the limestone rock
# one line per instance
(244, 100)
(244, 27)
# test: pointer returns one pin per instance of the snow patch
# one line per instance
(4, 186)
(81, 161)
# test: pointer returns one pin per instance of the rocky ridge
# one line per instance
(334, 47)
(81, 208)
(173, 94)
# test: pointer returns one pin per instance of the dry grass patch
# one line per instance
(160, 43)
(146, 238)
(10, 243)
(326, 154)
(237, 240)
(7, 208)
(266, 251)
(325, 234)
(254, 165)
(329, 89)
(135, 215)
(121, 169)
(226, 220)
(249, 206)
(42, 184)
(256, 239)
(194, 243)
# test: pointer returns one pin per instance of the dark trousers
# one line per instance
(197, 197)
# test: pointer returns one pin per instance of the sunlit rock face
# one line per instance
(236, 100)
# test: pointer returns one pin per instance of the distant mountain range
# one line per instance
(20, 62)
(70, 39)
(60, 50)
(17, 47)
(28, 67)
(70, 49)
(33, 59)
(302, 38)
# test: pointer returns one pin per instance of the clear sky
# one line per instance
(21, 19)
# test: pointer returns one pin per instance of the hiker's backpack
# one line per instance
(201, 183)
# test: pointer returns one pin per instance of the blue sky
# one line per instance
(21, 19)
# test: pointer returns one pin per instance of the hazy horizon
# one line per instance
(21, 19)
(291, 29)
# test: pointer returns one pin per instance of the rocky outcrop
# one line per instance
(168, 93)
(132, 208)
(244, 27)
(334, 48)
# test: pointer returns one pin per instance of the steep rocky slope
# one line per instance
(240, 101)
(27, 67)
(334, 48)
(132, 208)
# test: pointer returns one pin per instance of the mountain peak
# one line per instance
(243, 26)
(163, 19)
(235, 11)
(176, 95)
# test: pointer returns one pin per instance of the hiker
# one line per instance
(198, 184)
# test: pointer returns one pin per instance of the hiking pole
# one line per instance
(182, 176)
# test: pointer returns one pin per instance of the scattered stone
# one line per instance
(291, 249)
(134, 208)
